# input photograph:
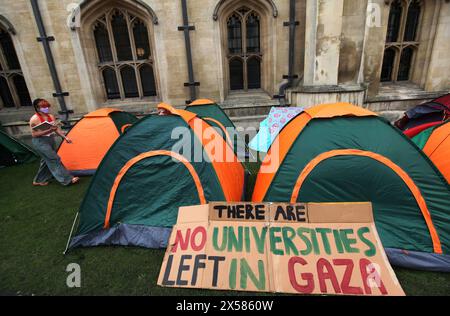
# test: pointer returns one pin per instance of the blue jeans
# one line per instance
(51, 166)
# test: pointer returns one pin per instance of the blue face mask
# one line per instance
(45, 110)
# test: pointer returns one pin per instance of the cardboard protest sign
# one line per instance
(330, 248)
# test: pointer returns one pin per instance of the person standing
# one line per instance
(45, 145)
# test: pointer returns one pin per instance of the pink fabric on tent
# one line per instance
(272, 125)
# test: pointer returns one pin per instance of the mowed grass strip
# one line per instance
(35, 223)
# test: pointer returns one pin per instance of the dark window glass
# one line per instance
(111, 86)
(121, 37)
(5, 93)
(395, 16)
(129, 82)
(405, 64)
(234, 35)
(236, 74)
(22, 90)
(388, 64)
(124, 60)
(102, 42)
(253, 34)
(254, 73)
(412, 21)
(140, 33)
(148, 81)
(9, 51)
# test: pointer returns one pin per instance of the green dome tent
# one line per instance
(435, 143)
(148, 174)
(14, 152)
(343, 153)
(213, 114)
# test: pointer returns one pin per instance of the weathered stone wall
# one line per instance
(334, 48)
(323, 40)
(75, 56)
(309, 97)
(30, 54)
(352, 41)
(438, 77)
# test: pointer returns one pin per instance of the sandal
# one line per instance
(37, 184)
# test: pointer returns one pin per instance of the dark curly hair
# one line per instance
(36, 104)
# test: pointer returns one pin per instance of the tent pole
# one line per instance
(71, 232)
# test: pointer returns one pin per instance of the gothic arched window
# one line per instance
(13, 88)
(234, 34)
(244, 49)
(102, 43)
(395, 18)
(401, 40)
(148, 80)
(124, 55)
(236, 74)
(388, 64)
(142, 44)
(111, 85)
(405, 64)
(129, 82)
(254, 73)
(253, 31)
(119, 26)
(412, 21)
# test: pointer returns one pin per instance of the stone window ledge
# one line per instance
(135, 106)
(329, 89)
(16, 110)
(390, 92)
(8, 115)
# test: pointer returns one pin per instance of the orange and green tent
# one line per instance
(435, 143)
(92, 137)
(214, 115)
(158, 165)
(344, 153)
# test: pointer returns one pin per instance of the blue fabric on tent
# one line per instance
(424, 109)
(83, 173)
(418, 260)
(126, 235)
(262, 141)
(269, 129)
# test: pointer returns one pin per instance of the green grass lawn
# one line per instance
(34, 227)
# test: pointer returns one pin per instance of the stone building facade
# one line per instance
(386, 55)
